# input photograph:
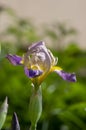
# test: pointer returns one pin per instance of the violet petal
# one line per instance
(71, 77)
(32, 73)
(35, 45)
(14, 59)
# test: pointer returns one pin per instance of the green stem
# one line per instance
(33, 127)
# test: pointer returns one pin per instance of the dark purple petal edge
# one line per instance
(32, 73)
(71, 77)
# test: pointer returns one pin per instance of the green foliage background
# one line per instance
(64, 103)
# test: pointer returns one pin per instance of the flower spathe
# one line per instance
(38, 62)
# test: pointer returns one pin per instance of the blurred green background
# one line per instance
(64, 103)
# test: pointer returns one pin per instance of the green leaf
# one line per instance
(3, 112)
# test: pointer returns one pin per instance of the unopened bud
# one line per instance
(35, 106)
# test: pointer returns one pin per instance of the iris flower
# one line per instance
(38, 62)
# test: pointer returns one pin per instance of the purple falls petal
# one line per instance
(14, 59)
(71, 77)
(15, 123)
(32, 73)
